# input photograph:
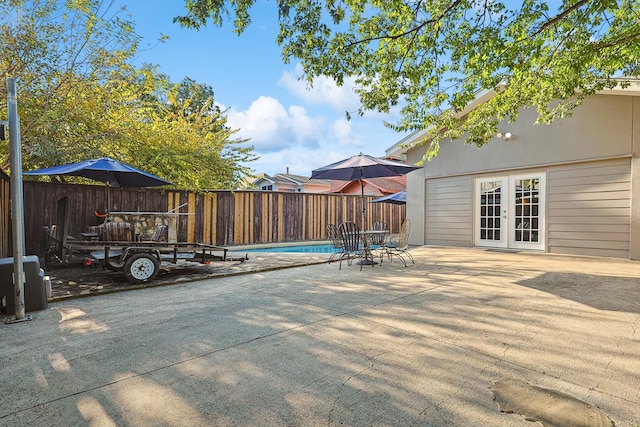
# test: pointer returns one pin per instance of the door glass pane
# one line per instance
(490, 210)
(527, 192)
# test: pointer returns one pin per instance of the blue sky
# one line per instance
(289, 125)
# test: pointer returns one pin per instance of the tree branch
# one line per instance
(413, 30)
(560, 16)
(612, 43)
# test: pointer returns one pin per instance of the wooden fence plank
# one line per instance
(219, 217)
(191, 218)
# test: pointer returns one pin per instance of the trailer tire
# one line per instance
(141, 267)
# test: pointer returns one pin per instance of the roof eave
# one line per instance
(400, 148)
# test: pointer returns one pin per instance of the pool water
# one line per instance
(318, 249)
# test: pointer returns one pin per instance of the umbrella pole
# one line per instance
(363, 208)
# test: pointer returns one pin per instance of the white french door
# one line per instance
(510, 212)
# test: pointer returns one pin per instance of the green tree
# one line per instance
(432, 57)
(80, 97)
(191, 143)
(193, 97)
(62, 58)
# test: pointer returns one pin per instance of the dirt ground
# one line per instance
(79, 280)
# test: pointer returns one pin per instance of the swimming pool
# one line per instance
(318, 249)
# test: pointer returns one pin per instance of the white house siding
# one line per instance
(588, 159)
(448, 211)
(589, 208)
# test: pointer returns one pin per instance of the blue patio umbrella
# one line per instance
(105, 169)
(399, 198)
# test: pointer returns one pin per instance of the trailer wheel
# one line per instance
(141, 268)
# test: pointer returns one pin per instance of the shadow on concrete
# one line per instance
(387, 345)
(601, 292)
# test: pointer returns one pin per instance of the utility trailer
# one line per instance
(118, 248)
(138, 261)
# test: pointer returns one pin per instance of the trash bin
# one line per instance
(35, 294)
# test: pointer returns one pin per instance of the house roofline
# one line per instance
(482, 96)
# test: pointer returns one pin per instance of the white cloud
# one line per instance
(324, 91)
(304, 127)
(342, 131)
(271, 127)
(299, 162)
(307, 136)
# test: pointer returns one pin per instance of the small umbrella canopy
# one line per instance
(361, 167)
(107, 170)
(399, 198)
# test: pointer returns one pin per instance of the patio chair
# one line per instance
(377, 241)
(160, 234)
(116, 231)
(334, 235)
(51, 245)
(400, 248)
(55, 237)
(351, 243)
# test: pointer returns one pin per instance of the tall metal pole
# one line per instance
(17, 201)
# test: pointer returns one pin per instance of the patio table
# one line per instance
(367, 237)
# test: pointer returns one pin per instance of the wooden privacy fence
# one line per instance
(221, 218)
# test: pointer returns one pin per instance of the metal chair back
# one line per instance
(334, 236)
(404, 235)
(350, 236)
(401, 248)
(160, 234)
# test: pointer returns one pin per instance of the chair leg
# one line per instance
(346, 255)
(410, 256)
(399, 255)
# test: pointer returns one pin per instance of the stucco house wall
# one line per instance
(587, 166)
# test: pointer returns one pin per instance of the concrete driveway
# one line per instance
(425, 345)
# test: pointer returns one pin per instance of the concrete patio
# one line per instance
(314, 345)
